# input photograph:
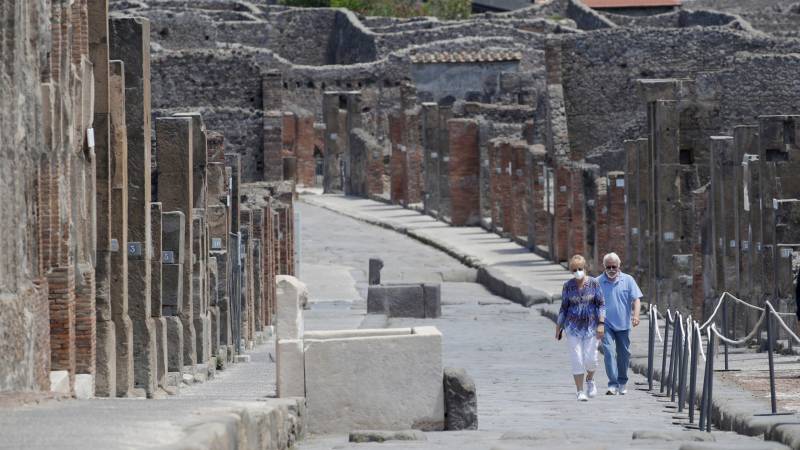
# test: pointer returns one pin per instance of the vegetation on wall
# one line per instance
(443, 9)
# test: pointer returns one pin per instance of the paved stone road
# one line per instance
(525, 393)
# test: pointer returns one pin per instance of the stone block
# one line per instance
(375, 266)
(59, 382)
(405, 300)
(290, 368)
(387, 379)
(460, 400)
(432, 295)
(292, 297)
(172, 292)
(106, 369)
(84, 386)
(162, 349)
(174, 343)
(241, 359)
(361, 436)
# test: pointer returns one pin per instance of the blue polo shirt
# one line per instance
(619, 294)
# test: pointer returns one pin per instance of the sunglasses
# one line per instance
(575, 270)
(611, 267)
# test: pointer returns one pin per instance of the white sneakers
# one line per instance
(623, 389)
(591, 389)
(582, 396)
(612, 390)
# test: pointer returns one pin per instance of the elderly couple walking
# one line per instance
(594, 310)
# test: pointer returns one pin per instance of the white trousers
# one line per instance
(582, 353)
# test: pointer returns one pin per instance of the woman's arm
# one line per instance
(562, 312)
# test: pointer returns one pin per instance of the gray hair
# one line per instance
(613, 257)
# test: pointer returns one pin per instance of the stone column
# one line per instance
(332, 180)
(745, 140)
(200, 317)
(105, 377)
(157, 307)
(122, 325)
(174, 138)
(430, 135)
(130, 42)
(233, 163)
(173, 234)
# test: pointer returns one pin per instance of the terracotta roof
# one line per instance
(630, 3)
(465, 57)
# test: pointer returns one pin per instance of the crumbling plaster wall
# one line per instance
(24, 334)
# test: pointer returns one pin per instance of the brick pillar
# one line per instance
(519, 177)
(702, 253)
(506, 189)
(632, 225)
(258, 255)
(495, 176)
(463, 171)
(561, 225)
(271, 85)
(246, 299)
(414, 156)
(174, 138)
(445, 199)
(398, 162)
(616, 216)
(538, 222)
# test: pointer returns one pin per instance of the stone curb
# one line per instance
(274, 425)
(490, 277)
(732, 409)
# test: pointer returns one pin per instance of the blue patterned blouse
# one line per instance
(582, 308)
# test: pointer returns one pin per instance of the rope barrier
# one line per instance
(744, 340)
(655, 319)
(699, 334)
(783, 324)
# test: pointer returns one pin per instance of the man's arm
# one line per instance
(637, 306)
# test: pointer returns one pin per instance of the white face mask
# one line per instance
(579, 274)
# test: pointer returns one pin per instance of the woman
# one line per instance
(582, 317)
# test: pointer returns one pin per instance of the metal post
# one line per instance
(712, 337)
(684, 369)
(663, 381)
(675, 367)
(704, 397)
(773, 401)
(725, 330)
(651, 348)
(693, 371)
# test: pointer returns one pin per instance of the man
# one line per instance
(622, 295)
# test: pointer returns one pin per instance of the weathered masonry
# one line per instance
(126, 267)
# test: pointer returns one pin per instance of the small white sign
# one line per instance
(620, 182)
(434, 155)
(634, 231)
(774, 203)
(669, 236)
(446, 159)
(334, 136)
(90, 137)
(732, 243)
(562, 188)
(519, 172)
(114, 245)
(745, 245)
(786, 253)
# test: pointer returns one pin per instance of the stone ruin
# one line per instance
(659, 136)
(134, 263)
(151, 157)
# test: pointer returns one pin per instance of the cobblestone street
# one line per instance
(525, 393)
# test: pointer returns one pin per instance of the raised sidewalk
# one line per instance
(504, 267)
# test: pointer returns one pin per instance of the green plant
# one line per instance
(449, 9)
(359, 6)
